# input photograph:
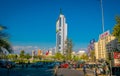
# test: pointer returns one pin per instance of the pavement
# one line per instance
(89, 71)
(26, 72)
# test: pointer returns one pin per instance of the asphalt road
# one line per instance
(19, 71)
(26, 72)
(69, 72)
(72, 72)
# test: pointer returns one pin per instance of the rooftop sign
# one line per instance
(103, 35)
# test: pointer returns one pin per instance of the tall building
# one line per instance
(39, 52)
(61, 33)
(104, 45)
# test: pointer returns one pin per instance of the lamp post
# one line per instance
(102, 15)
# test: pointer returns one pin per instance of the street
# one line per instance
(73, 72)
(18, 71)
(26, 72)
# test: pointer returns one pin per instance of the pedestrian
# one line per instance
(84, 69)
(107, 71)
(55, 70)
(95, 71)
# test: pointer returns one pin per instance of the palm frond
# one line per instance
(2, 27)
(5, 44)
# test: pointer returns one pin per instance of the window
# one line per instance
(60, 22)
(59, 47)
(59, 39)
(59, 29)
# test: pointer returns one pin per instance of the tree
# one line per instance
(116, 29)
(22, 54)
(12, 56)
(92, 55)
(69, 49)
(84, 57)
(76, 58)
(4, 40)
(27, 56)
(58, 56)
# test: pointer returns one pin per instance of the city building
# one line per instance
(39, 52)
(51, 51)
(61, 33)
(91, 47)
(103, 46)
(33, 53)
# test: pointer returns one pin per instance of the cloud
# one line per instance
(27, 49)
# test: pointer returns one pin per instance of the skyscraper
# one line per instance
(61, 33)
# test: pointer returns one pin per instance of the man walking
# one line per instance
(84, 70)
(55, 70)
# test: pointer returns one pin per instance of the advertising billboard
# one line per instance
(116, 56)
(103, 35)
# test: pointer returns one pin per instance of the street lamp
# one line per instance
(102, 15)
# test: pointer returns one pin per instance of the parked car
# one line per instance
(2, 64)
(12, 64)
(64, 65)
(7, 64)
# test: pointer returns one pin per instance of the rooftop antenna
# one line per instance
(60, 11)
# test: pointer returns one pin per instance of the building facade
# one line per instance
(104, 45)
(39, 52)
(61, 34)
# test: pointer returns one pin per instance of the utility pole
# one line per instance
(104, 41)
(102, 16)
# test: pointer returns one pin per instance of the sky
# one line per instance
(32, 23)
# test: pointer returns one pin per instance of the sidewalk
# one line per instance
(89, 72)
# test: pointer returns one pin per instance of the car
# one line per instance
(12, 64)
(2, 64)
(7, 64)
(64, 65)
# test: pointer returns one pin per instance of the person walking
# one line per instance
(84, 70)
(107, 71)
(55, 70)
(95, 71)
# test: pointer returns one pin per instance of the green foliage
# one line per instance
(12, 56)
(2, 27)
(92, 55)
(22, 54)
(27, 56)
(69, 49)
(84, 57)
(58, 56)
(4, 40)
(76, 58)
(116, 29)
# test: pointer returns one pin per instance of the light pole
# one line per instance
(102, 16)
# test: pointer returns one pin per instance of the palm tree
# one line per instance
(4, 40)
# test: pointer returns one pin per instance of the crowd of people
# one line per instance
(98, 69)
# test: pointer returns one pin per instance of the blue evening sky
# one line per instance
(33, 22)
